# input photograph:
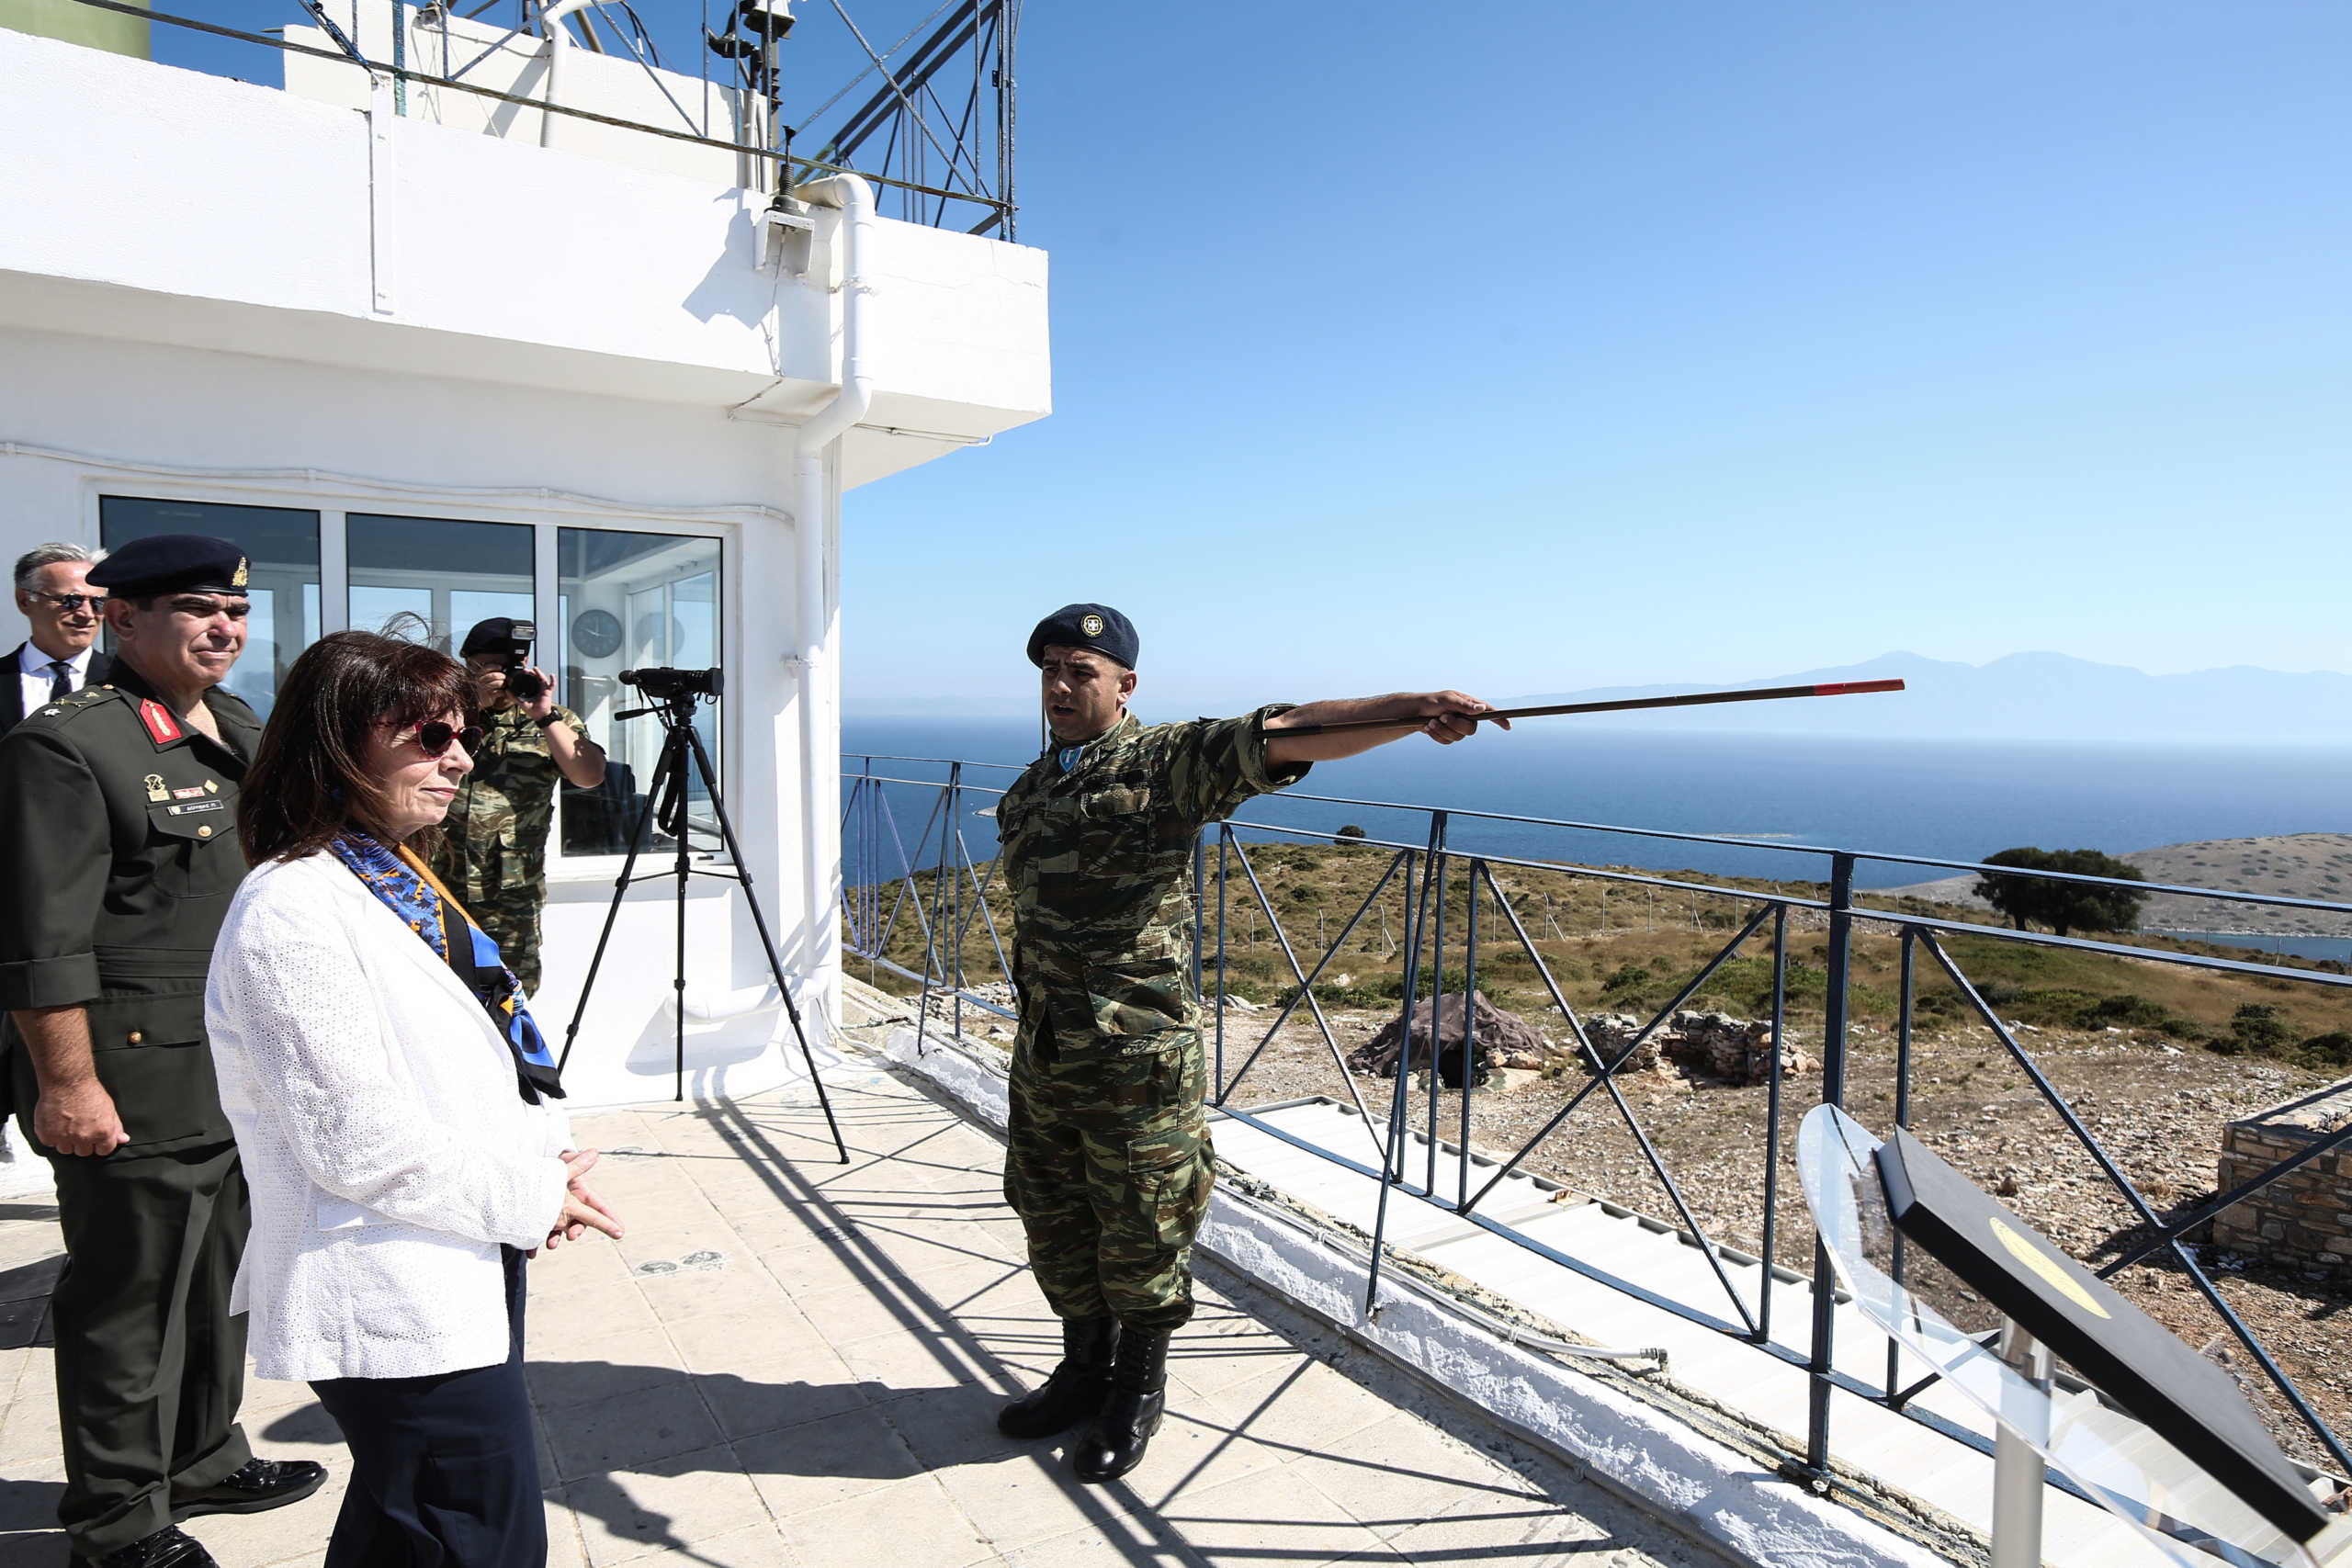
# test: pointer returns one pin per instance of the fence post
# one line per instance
(1833, 1092)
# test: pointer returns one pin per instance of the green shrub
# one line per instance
(2332, 1049)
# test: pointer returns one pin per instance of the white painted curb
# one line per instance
(1661, 1465)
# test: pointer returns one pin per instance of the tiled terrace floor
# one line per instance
(790, 1362)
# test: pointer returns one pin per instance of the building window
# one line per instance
(447, 574)
(281, 543)
(628, 602)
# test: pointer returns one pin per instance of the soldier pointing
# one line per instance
(1107, 1159)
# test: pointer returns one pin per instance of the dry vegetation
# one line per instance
(2153, 1057)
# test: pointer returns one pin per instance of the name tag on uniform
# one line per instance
(195, 805)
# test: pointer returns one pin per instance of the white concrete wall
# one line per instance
(613, 85)
(166, 205)
(214, 291)
(200, 425)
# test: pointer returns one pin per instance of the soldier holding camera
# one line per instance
(493, 847)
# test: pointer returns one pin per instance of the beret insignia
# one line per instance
(1092, 626)
(242, 578)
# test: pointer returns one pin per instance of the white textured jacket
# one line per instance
(389, 1151)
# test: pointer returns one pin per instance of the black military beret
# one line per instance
(496, 635)
(173, 563)
(1097, 626)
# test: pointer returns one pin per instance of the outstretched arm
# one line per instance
(1444, 716)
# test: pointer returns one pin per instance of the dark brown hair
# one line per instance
(308, 781)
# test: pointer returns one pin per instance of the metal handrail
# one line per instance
(1422, 869)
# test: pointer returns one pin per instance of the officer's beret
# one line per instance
(1097, 626)
(495, 635)
(173, 563)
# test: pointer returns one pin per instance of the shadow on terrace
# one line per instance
(793, 1362)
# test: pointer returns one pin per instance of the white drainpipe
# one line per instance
(821, 430)
(558, 45)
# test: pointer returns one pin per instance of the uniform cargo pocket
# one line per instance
(168, 1017)
(1171, 1173)
(1138, 997)
(163, 1093)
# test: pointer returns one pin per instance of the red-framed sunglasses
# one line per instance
(435, 737)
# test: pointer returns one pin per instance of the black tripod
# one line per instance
(679, 744)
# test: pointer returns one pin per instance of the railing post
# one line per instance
(1833, 1092)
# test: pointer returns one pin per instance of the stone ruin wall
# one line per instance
(2304, 1219)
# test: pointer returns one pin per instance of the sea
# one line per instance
(1779, 800)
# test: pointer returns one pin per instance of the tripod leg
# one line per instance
(760, 920)
(636, 842)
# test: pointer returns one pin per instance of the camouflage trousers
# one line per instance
(510, 917)
(1107, 1162)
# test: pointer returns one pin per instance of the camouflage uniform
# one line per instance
(494, 844)
(1107, 1159)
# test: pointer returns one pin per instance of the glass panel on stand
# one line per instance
(629, 601)
(281, 543)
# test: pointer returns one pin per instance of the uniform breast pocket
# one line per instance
(1117, 820)
(195, 852)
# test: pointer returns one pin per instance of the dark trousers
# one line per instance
(444, 1472)
(150, 1365)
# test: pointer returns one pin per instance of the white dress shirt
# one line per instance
(389, 1151)
(33, 670)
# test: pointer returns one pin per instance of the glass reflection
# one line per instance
(281, 543)
(629, 601)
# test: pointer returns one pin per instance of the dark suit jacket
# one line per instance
(12, 688)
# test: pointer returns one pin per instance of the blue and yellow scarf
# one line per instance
(417, 895)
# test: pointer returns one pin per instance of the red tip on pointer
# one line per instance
(1846, 688)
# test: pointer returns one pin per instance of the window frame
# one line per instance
(336, 502)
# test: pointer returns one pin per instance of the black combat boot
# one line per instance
(1113, 1445)
(1077, 1387)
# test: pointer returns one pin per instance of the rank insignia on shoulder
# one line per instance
(155, 790)
(160, 726)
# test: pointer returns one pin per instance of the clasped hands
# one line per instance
(582, 1210)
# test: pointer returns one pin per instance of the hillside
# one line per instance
(2295, 866)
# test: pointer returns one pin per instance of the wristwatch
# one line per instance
(551, 718)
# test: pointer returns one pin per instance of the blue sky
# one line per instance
(1533, 346)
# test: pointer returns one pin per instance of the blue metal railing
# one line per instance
(884, 794)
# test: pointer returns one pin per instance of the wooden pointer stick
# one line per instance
(1691, 699)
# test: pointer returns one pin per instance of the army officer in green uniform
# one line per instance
(493, 851)
(118, 805)
(1107, 1159)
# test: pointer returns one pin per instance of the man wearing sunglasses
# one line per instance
(118, 803)
(60, 657)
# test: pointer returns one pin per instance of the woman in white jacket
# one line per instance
(393, 1105)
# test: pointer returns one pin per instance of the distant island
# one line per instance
(2025, 696)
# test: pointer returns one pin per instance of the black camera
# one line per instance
(516, 649)
(666, 684)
